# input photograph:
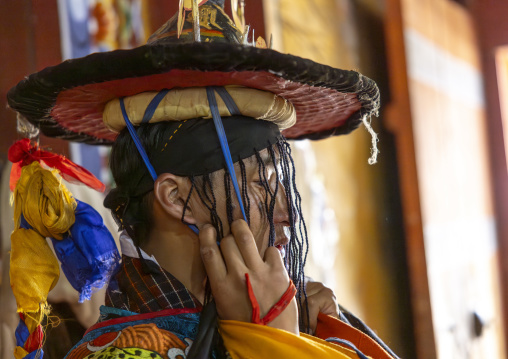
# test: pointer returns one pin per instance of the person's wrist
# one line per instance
(288, 319)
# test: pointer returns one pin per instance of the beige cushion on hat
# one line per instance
(186, 103)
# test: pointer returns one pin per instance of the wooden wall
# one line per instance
(442, 97)
(370, 268)
(30, 42)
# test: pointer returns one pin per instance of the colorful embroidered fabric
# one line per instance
(165, 334)
(134, 290)
(169, 334)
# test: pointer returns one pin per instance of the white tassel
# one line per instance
(374, 150)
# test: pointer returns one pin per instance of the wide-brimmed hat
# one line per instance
(67, 101)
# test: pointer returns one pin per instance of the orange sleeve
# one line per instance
(331, 327)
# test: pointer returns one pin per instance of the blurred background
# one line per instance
(415, 245)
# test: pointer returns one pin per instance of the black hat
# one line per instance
(67, 100)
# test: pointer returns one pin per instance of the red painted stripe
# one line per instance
(132, 318)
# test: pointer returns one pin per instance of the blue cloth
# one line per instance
(21, 333)
(88, 253)
(36, 354)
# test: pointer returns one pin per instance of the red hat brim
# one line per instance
(67, 100)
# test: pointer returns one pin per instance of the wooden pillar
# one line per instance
(492, 31)
(398, 120)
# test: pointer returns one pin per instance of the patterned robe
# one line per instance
(150, 314)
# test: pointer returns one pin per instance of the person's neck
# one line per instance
(176, 248)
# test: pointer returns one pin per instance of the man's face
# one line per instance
(258, 197)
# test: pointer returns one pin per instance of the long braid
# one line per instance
(269, 202)
(219, 228)
(210, 203)
(245, 193)
(274, 197)
(302, 226)
(229, 202)
(291, 212)
(299, 243)
(188, 198)
(296, 244)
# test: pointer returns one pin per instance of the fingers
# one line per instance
(313, 315)
(319, 299)
(273, 258)
(246, 243)
(211, 255)
(239, 250)
(231, 254)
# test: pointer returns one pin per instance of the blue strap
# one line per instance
(212, 101)
(139, 146)
(137, 141)
(194, 228)
(343, 318)
(228, 100)
(348, 344)
(152, 106)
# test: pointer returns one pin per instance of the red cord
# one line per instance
(278, 307)
(23, 152)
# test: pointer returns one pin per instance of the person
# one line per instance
(213, 239)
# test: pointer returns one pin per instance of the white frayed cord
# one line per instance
(374, 151)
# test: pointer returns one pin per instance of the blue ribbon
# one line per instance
(147, 117)
(152, 106)
(137, 141)
(217, 120)
(347, 344)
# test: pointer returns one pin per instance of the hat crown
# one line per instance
(214, 26)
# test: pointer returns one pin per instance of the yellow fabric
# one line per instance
(186, 103)
(45, 202)
(33, 319)
(34, 270)
(247, 340)
(20, 353)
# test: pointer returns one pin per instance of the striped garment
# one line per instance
(136, 291)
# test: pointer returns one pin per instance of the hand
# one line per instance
(226, 273)
(320, 299)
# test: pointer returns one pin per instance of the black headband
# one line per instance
(192, 148)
